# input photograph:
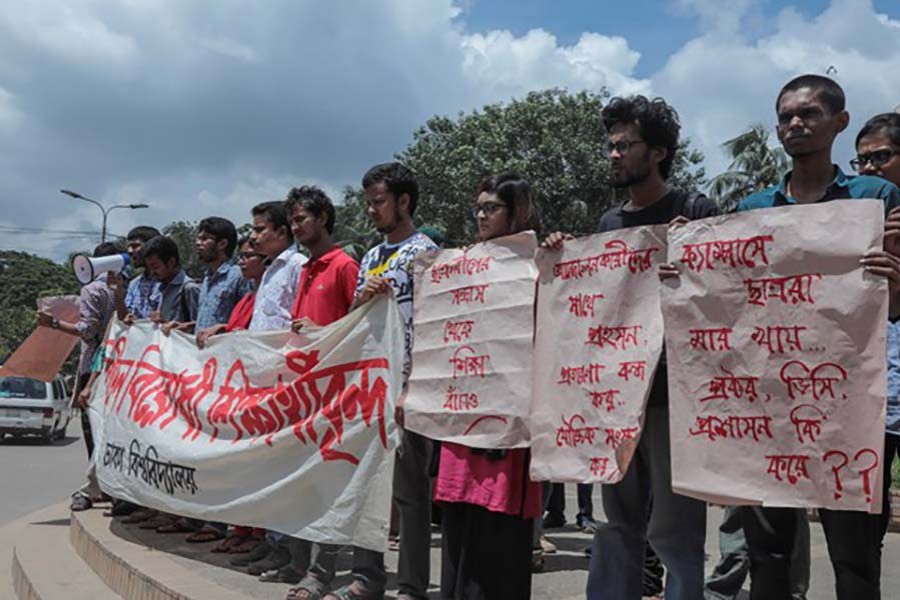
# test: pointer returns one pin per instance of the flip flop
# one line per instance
(203, 536)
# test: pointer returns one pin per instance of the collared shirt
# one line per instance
(394, 262)
(327, 287)
(843, 187)
(142, 297)
(220, 291)
(275, 296)
(847, 187)
(96, 304)
(178, 298)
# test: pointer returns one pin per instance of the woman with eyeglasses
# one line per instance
(252, 265)
(488, 501)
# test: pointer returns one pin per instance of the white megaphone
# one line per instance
(87, 268)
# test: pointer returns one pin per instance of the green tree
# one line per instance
(754, 166)
(185, 234)
(553, 138)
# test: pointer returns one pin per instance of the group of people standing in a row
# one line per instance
(490, 510)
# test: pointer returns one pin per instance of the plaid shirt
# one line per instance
(96, 304)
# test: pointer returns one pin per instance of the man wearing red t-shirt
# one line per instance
(328, 280)
(326, 289)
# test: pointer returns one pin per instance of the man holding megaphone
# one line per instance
(96, 305)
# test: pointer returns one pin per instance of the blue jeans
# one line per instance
(676, 528)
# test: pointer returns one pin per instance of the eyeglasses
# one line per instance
(622, 146)
(245, 256)
(878, 159)
(489, 208)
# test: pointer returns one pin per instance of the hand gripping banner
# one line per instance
(293, 433)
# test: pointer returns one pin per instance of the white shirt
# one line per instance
(275, 296)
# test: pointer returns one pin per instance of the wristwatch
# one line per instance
(54, 324)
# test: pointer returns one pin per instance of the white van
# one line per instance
(32, 407)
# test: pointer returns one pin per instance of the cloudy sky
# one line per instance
(201, 108)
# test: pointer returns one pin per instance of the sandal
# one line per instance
(248, 544)
(228, 543)
(303, 593)
(176, 526)
(349, 593)
(156, 522)
(203, 536)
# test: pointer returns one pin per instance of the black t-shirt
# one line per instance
(675, 203)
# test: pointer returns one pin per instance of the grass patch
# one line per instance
(895, 475)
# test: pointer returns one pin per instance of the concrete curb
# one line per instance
(134, 571)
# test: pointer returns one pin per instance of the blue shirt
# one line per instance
(143, 296)
(848, 187)
(220, 291)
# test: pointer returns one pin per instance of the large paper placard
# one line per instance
(776, 346)
(288, 432)
(598, 341)
(474, 331)
(45, 350)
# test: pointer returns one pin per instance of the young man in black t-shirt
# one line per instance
(643, 138)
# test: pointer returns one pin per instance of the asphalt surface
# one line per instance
(35, 475)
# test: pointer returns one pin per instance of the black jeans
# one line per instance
(557, 503)
(80, 382)
(854, 545)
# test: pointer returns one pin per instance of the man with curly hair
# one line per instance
(643, 139)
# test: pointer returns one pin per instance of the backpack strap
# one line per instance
(685, 203)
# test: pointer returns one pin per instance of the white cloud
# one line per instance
(500, 61)
(721, 84)
(200, 112)
(69, 31)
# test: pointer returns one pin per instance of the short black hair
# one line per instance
(399, 180)
(245, 239)
(162, 247)
(887, 124)
(220, 229)
(274, 213)
(828, 90)
(107, 249)
(657, 123)
(144, 233)
(312, 199)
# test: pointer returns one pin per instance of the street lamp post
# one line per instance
(103, 210)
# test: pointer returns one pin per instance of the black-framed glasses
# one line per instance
(878, 159)
(489, 208)
(249, 255)
(622, 146)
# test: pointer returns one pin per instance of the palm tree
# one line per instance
(754, 166)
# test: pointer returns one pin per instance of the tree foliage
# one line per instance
(552, 138)
(754, 166)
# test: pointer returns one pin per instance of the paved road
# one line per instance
(34, 475)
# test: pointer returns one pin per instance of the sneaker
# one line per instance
(587, 524)
(547, 546)
(286, 574)
(258, 553)
(277, 558)
(553, 521)
(80, 502)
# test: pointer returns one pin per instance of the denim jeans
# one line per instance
(676, 527)
(731, 572)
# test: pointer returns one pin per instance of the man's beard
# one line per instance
(631, 179)
(389, 227)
